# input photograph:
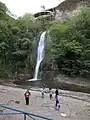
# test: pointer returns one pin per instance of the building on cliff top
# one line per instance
(63, 10)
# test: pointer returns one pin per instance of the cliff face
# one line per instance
(71, 5)
(68, 7)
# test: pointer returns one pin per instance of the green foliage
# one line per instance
(71, 44)
(17, 38)
(3, 10)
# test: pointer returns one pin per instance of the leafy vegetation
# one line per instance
(17, 38)
(71, 44)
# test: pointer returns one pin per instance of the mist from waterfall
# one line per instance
(40, 54)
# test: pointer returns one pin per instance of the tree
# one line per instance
(71, 44)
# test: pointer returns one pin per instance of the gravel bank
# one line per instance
(75, 105)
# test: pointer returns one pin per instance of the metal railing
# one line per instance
(31, 115)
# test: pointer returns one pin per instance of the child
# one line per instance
(50, 94)
(42, 93)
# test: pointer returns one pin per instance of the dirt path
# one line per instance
(74, 108)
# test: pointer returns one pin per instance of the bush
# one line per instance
(71, 44)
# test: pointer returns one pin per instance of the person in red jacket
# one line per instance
(27, 95)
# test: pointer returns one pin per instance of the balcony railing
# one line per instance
(25, 114)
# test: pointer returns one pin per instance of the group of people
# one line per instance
(57, 104)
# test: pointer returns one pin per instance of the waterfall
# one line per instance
(40, 55)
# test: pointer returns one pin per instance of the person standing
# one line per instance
(42, 91)
(56, 93)
(27, 96)
(50, 93)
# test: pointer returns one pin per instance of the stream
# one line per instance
(60, 83)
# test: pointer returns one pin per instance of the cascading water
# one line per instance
(40, 55)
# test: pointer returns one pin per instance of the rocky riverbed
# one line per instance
(75, 105)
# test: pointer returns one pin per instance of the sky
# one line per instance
(20, 7)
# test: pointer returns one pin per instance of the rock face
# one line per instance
(68, 7)
(49, 69)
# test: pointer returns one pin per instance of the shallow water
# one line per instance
(53, 84)
(64, 85)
